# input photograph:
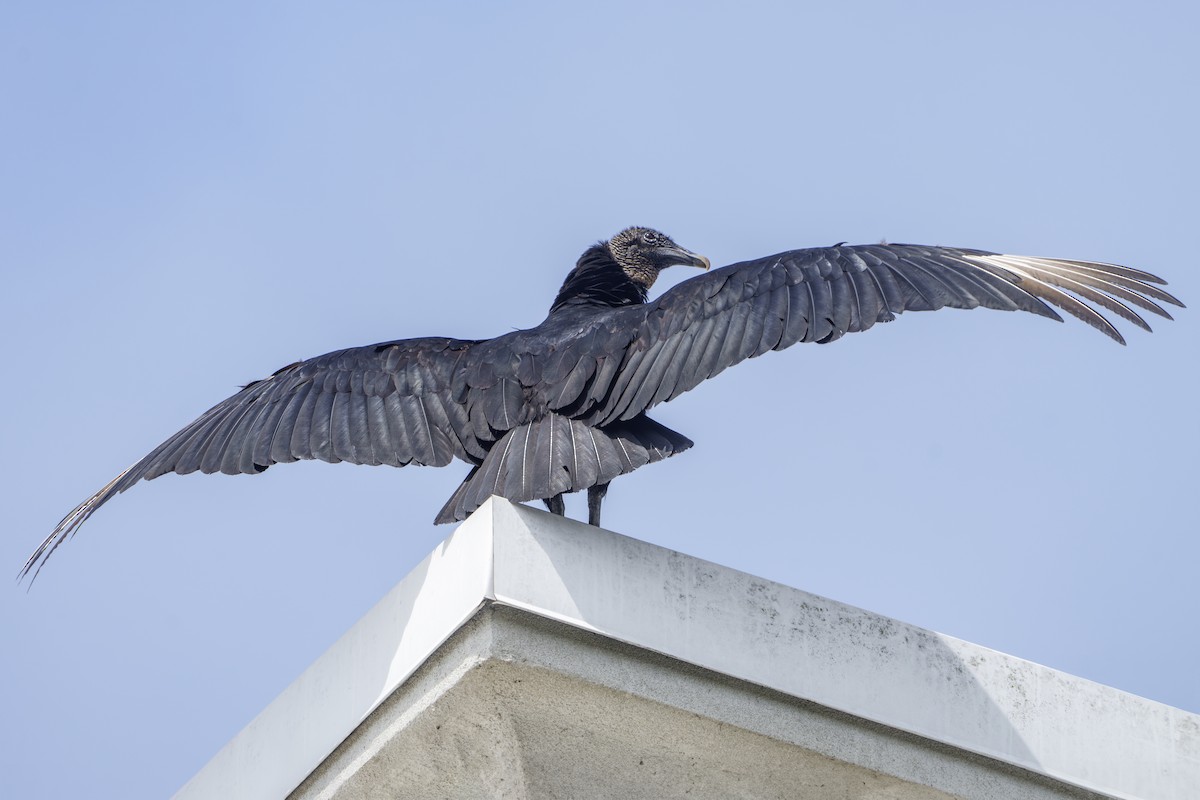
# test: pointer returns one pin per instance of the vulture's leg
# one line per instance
(595, 498)
(555, 504)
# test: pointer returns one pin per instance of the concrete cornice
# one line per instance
(871, 668)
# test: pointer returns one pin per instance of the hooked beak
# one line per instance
(677, 255)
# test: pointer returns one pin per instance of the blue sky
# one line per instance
(192, 198)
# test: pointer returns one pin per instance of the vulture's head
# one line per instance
(643, 252)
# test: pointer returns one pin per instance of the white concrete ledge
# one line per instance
(958, 697)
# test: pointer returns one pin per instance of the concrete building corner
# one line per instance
(530, 656)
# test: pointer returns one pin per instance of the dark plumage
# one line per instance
(561, 407)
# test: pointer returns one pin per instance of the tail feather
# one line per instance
(555, 455)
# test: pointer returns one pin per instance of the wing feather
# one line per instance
(302, 433)
(269, 450)
(240, 460)
(321, 441)
(382, 443)
(652, 379)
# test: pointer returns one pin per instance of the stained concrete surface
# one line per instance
(521, 708)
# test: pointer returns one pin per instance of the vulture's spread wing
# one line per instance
(390, 403)
(655, 352)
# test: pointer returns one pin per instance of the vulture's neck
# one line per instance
(598, 280)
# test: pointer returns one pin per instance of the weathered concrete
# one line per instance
(531, 656)
(518, 706)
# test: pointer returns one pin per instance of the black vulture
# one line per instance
(562, 406)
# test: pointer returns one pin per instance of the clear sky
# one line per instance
(192, 198)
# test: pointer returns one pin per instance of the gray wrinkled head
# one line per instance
(644, 252)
